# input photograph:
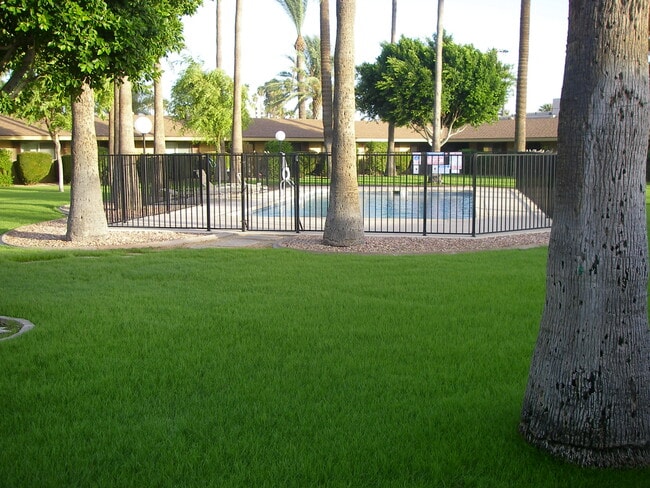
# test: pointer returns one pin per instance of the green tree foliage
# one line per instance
(203, 101)
(399, 86)
(74, 42)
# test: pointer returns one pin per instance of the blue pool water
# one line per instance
(387, 203)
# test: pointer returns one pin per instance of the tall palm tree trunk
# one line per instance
(390, 157)
(522, 77)
(326, 82)
(588, 395)
(437, 103)
(237, 142)
(158, 114)
(344, 225)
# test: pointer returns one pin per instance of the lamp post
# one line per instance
(143, 125)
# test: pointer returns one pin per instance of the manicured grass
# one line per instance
(22, 205)
(271, 367)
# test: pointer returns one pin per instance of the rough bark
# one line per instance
(219, 37)
(522, 77)
(390, 157)
(86, 218)
(159, 146)
(326, 73)
(344, 225)
(130, 177)
(237, 136)
(437, 102)
(588, 394)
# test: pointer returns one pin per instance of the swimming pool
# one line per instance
(382, 203)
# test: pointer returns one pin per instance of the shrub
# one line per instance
(53, 176)
(6, 164)
(33, 166)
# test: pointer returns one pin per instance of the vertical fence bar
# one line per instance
(204, 162)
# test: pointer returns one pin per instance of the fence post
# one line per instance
(474, 166)
(296, 194)
(205, 161)
(243, 169)
(424, 170)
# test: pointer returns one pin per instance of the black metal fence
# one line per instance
(474, 194)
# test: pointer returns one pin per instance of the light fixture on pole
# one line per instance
(143, 125)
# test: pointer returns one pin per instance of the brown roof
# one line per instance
(312, 130)
(173, 129)
(12, 128)
(262, 129)
(537, 129)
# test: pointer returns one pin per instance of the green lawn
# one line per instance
(268, 367)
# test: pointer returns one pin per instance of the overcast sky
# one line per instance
(269, 36)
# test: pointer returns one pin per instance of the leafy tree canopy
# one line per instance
(73, 42)
(399, 86)
(203, 101)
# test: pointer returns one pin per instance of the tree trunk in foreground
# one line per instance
(588, 394)
(86, 218)
(344, 225)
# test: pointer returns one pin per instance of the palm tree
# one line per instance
(296, 10)
(219, 38)
(237, 139)
(522, 77)
(158, 114)
(131, 189)
(313, 87)
(390, 158)
(437, 102)
(326, 73)
(588, 395)
(344, 225)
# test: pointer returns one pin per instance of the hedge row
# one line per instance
(6, 164)
(32, 168)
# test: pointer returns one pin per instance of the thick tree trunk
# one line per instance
(86, 218)
(588, 394)
(344, 225)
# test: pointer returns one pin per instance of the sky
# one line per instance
(269, 36)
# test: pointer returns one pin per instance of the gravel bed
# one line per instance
(400, 244)
(51, 235)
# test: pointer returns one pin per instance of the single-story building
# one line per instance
(305, 135)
